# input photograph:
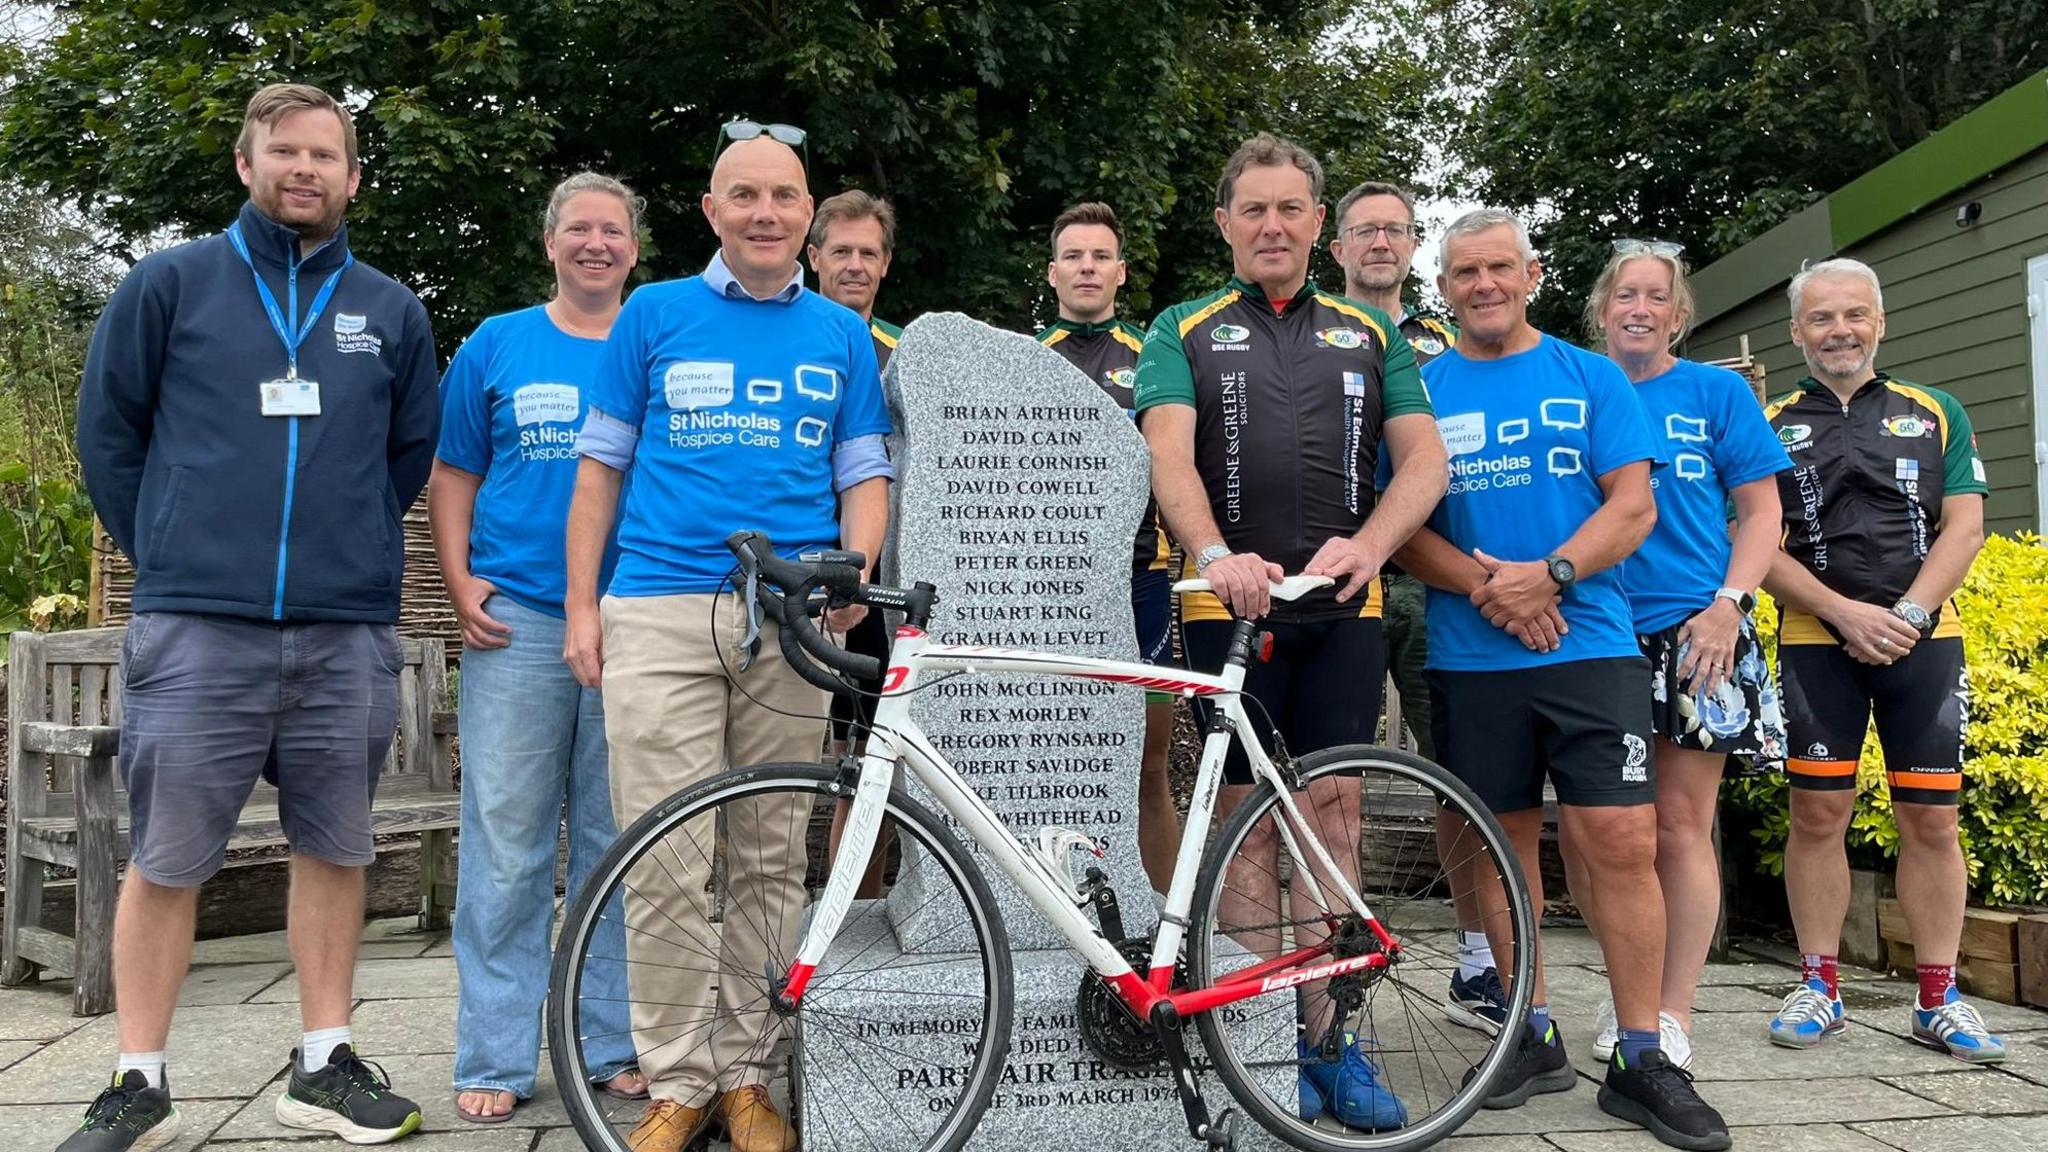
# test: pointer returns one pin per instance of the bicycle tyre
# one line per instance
(1237, 1078)
(913, 820)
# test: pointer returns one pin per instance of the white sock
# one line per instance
(150, 1064)
(1475, 955)
(315, 1047)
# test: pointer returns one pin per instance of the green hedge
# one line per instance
(2004, 607)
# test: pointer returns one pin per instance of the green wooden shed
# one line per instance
(1957, 229)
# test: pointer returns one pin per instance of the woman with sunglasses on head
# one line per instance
(1692, 591)
(533, 739)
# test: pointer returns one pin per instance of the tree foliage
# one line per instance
(980, 120)
(1707, 121)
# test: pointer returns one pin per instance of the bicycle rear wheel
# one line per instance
(1408, 833)
(679, 945)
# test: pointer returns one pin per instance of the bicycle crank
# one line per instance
(1107, 1026)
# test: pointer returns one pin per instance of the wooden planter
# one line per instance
(1988, 963)
(2033, 935)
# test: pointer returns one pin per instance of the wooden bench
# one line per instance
(66, 806)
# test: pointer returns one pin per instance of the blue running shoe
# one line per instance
(1480, 1003)
(1312, 1102)
(1350, 1089)
(1956, 1028)
(1808, 1017)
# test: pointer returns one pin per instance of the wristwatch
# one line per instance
(1745, 602)
(1913, 614)
(1210, 555)
(1562, 572)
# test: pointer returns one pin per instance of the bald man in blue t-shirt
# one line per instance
(735, 399)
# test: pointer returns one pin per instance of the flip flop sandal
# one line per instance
(618, 1094)
(486, 1117)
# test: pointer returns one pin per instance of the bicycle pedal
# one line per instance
(1222, 1131)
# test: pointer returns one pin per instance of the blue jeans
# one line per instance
(531, 739)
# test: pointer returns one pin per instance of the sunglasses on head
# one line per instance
(738, 130)
(1668, 249)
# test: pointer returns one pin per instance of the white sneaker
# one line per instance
(1670, 1036)
(1608, 1032)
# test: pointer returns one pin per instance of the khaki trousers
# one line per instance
(696, 948)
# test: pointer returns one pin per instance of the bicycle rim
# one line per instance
(1426, 1073)
(675, 949)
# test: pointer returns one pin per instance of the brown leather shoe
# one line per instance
(667, 1127)
(752, 1123)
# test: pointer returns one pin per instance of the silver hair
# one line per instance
(592, 182)
(1839, 266)
(1481, 220)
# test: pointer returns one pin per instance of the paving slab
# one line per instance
(1735, 998)
(1469, 1144)
(393, 938)
(1980, 1091)
(215, 1051)
(1777, 1138)
(1821, 1101)
(38, 1012)
(426, 1079)
(1571, 946)
(33, 1127)
(1887, 1007)
(13, 1052)
(1573, 1111)
(380, 980)
(473, 1140)
(2026, 1055)
(405, 1027)
(228, 983)
(1951, 1132)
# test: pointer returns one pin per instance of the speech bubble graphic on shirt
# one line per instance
(546, 404)
(817, 383)
(697, 384)
(810, 431)
(763, 390)
(348, 324)
(1565, 461)
(1564, 413)
(1690, 429)
(1511, 431)
(1689, 466)
(1464, 433)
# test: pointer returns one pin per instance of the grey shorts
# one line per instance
(212, 703)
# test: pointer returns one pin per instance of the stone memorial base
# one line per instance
(1055, 1093)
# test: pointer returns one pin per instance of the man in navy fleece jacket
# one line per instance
(258, 410)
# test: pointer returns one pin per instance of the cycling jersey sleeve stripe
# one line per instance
(1217, 305)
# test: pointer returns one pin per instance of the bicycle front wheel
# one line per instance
(1375, 1058)
(677, 949)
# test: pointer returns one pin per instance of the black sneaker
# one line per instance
(1537, 1066)
(1658, 1095)
(129, 1116)
(350, 1098)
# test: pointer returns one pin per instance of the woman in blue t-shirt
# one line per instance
(532, 738)
(1692, 593)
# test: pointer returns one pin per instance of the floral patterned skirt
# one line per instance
(1741, 717)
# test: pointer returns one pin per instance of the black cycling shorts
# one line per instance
(1321, 687)
(1584, 723)
(1921, 705)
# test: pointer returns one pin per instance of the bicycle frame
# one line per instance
(1046, 882)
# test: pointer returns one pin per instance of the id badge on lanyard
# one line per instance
(288, 395)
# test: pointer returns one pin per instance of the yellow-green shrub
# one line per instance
(2004, 816)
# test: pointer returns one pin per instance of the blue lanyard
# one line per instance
(280, 319)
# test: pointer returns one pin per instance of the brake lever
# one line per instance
(750, 647)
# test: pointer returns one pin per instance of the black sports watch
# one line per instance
(1562, 573)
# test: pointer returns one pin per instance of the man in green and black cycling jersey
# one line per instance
(1265, 405)
(1884, 513)
(1086, 269)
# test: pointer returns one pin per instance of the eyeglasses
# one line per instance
(1360, 232)
(738, 130)
(1668, 249)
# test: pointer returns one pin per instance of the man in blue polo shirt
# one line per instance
(736, 400)
(1533, 663)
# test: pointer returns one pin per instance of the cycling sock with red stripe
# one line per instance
(1935, 981)
(1815, 966)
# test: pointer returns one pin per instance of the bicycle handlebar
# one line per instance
(784, 588)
